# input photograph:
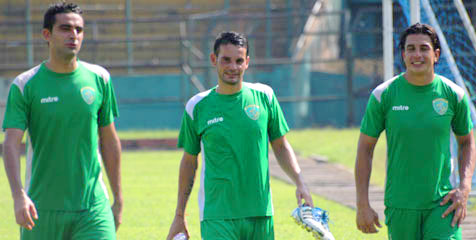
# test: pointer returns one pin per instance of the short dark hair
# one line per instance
(234, 38)
(62, 7)
(419, 28)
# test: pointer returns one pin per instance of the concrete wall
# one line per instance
(143, 99)
(334, 113)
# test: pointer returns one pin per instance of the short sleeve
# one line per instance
(461, 122)
(373, 122)
(109, 108)
(188, 138)
(16, 112)
(277, 125)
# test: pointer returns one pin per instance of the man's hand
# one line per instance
(117, 213)
(303, 193)
(178, 225)
(25, 211)
(367, 219)
(459, 199)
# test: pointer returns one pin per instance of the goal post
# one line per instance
(387, 39)
(387, 33)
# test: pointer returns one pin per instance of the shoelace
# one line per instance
(306, 212)
(321, 215)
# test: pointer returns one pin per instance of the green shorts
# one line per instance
(96, 223)
(261, 228)
(411, 224)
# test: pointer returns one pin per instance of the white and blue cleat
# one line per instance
(314, 220)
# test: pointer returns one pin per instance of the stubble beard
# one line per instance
(68, 54)
(232, 82)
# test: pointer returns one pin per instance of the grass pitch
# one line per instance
(150, 188)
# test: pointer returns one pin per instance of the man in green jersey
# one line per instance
(64, 104)
(231, 125)
(417, 109)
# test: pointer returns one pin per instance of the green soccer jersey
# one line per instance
(418, 121)
(232, 133)
(62, 113)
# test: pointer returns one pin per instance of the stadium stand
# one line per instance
(156, 43)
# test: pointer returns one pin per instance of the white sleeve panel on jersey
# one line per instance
(98, 70)
(22, 79)
(193, 101)
(261, 88)
(457, 89)
(377, 92)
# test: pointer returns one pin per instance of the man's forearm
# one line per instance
(11, 159)
(288, 162)
(363, 169)
(111, 155)
(112, 162)
(362, 178)
(466, 165)
(188, 167)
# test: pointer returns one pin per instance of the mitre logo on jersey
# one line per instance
(215, 120)
(440, 105)
(400, 108)
(252, 111)
(88, 94)
(49, 100)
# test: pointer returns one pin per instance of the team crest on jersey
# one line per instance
(88, 94)
(440, 105)
(252, 111)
